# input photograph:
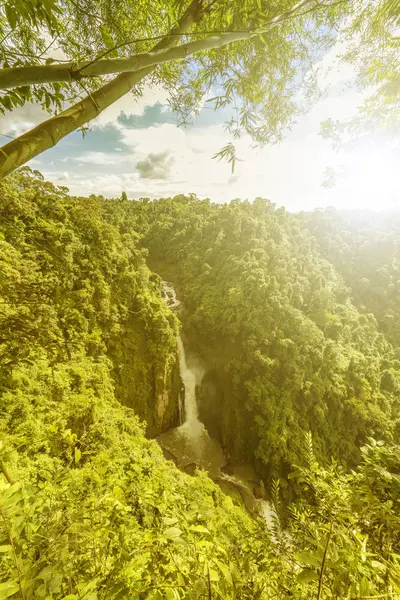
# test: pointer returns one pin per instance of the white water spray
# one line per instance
(190, 443)
(192, 425)
(191, 376)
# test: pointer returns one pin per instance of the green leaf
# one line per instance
(224, 570)
(170, 520)
(307, 575)
(308, 559)
(213, 575)
(11, 15)
(77, 455)
(199, 529)
(5, 548)
(8, 589)
(172, 533)
(107, 39)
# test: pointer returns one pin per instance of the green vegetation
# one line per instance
(364, 248)
(75, 283)
(287, 349)
(89, 507)
(260, 57)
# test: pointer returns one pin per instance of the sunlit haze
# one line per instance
(137, 146)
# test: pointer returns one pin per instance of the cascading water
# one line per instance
(190, 444)
(191, 426)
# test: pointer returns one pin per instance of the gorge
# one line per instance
(291, 377)
(190, 444)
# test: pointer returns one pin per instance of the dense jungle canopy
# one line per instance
(290, 320)
(303, 382)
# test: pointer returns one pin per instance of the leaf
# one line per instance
(308, 558)
(77, 455)
(13, 498)
(224, 570)
(307, 575)
(107, 39)
(199, 529)
(200, 587)
(378, 565)
(213, 575)
(50, 60)
(5, 548)
(170, 520)
(8, 589)
(172, 533)
(11, 15)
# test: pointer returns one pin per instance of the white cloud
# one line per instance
(131, 105)
(22, 118)
(289, 174)
(99, 158)
(155, 166)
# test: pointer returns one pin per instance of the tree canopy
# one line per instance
(89, 507)
(286, 347)
(255, 55)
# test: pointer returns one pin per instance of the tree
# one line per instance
(258, 56)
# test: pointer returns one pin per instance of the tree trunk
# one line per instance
(14, 77)
(50, 132)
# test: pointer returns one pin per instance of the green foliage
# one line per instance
(96, 511)
(89, 508)
(75, 283)
(350, 523)
(364, 248)
(286, 348)
(268, 79)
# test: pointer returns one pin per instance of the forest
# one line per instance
(199, 392)
(302, 381)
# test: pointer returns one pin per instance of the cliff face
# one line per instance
(74, 284)
(286, 348)
(151, 388)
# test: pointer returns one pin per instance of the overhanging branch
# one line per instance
(68, 72)
(50, 132)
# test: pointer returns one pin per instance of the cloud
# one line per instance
(22, 118)
(99, 158)
(152, 115)
(131, 104)
(156, 166)
(171, 160)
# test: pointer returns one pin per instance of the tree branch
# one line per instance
(6, 472)
(14, 77)
(50, 132)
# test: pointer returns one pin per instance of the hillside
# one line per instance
(89, 373)
(287, 349)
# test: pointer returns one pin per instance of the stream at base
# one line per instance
(190, 445)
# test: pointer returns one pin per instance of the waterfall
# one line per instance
(190, 376)
(192, 425)
(170, 295)
(190, 444)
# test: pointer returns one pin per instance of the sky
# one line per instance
(136, 146)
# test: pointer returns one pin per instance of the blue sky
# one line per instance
(137, 146)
